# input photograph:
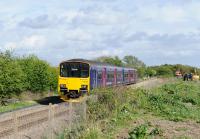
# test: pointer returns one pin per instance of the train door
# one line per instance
(129, 76)
(93, 78)
(135, 76)
(104, 77)
(115, 76)
(123, 79)
(99, 78)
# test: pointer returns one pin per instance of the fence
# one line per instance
(41, 121)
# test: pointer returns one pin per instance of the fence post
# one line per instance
(84, 110)
(70, 115)
(51, 119)
(15, 119)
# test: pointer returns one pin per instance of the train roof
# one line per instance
(93, 63)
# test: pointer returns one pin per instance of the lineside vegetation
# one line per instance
(115, 110)
(24, 74)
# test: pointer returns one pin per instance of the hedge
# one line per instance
(21, 74)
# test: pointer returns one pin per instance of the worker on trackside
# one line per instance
(185, 77)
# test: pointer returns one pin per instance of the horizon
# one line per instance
(155, 31)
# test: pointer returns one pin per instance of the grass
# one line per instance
(25, 99)
(176, 102)
(14, 106)
(115, 108)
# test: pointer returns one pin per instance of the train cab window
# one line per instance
(63, 70)
(84, 70)
(74, 69)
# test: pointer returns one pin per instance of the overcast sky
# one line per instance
(156, 31)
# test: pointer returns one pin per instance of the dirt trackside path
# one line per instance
(170, 129)
(154, 82)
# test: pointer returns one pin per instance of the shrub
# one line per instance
(36, 72)
(143, 132)
(25, 74)
(53, 78)
(11, 77)
(140, 132)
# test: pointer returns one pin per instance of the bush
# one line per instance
(36, 72)
(25, 74)
(11, 77)
(53, 77)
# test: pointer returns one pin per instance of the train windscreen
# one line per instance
(74, 69)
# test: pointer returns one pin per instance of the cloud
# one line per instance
(78, 35)
(42, 21)
(156, 31)
(172, 39)
(28, 43)
(99, 16)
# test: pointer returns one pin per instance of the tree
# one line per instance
(110, 60)
(132, 61)
(36, 72)
(150, 72)
(11, 77)
(164, 71)
(53, 77)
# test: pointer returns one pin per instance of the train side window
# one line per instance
(126, 75)
(99, 76)
(110, 76)
(131, 75)
(119, 75)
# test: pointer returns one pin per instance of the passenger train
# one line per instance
(79, 76)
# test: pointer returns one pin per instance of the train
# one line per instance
(79, 76)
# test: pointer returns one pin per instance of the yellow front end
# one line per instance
(73, 86)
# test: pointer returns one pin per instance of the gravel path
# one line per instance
(154, 82)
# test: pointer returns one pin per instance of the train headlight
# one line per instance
(84, 86)
(62, 85)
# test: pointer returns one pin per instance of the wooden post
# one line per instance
(15, 125)
(84, 110)
(70, 115)
(51, 121)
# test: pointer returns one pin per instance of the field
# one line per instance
(167, 111)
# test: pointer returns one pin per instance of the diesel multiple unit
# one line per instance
(78, 76)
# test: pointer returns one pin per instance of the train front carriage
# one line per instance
(74, 79)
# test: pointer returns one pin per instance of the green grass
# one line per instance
(176, 102)
(115, 108)
(14, 106)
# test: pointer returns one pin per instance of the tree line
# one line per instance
(21, 74)
(165, 70)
